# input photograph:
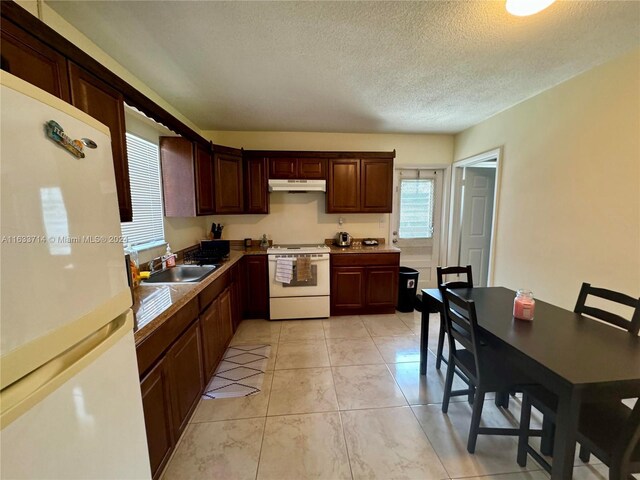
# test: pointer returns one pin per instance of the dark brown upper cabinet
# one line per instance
(26, 57)
(256, 187)
(301, 168)
(178, 177)
(228, 180)
(96, 98)
(187, 177)
(205, 201)
(343, 185)
(282, 167)
(376, 185)
(360, 185)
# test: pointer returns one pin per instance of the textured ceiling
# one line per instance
(430, 66)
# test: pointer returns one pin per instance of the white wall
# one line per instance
(297, 218)
(570, 189)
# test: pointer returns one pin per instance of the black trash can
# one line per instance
(407, 287)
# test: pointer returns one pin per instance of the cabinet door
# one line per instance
(236, 297)
(178, 174)
(105, 104)
(347, 288)
(184, 361)
(312, 168)
(31, 60)
(256, 287)
(156, 404)
(226, 317)
(282, 167)
(343, 186)
(382, 287)
(204, 181)
(228, 183)
(209, 322)
(256, 186)
(376, 185)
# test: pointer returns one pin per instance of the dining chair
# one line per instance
(632, 325)
(482, 366)
(610, 430)
(443, 284)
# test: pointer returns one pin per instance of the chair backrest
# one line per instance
(461, 323)
(633, 325)
(454, 270)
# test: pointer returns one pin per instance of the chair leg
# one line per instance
(523, 437)
(448, 383)
(502, 399)
(440, 344)
(476, 416)
(548, 435)
(585, 454)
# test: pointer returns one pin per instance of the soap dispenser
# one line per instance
(169, 258)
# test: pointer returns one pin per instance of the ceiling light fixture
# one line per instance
(522, 8)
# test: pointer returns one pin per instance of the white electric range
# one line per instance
(299, 298)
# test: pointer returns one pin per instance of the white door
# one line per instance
(416, 221)
(478, 189)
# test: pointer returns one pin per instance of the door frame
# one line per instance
(455, 214)
(446, 193)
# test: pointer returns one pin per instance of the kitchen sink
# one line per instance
(181, 274)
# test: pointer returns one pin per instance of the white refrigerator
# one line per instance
(70, 404)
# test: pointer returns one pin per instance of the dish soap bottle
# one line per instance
(169, 258)
(134, 265)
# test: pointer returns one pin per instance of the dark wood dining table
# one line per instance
(578, 358)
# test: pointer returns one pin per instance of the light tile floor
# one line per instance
(343, 398)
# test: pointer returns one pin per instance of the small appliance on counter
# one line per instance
(343, 239)
(210, 252)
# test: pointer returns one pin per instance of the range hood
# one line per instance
(276, 185)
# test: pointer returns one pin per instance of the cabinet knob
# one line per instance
(395, 240)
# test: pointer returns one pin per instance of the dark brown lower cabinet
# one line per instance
(209, 321)
(347, 287)
(382, 287)
(255, 286)
(226, 316)
(156, 403)
(184, 363)
(364, 283)
(179, 358)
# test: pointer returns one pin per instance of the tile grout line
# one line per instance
(335, 390)
(266, 413)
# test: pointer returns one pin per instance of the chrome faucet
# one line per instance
(152, 264)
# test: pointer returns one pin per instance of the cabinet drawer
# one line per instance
(365, 259)
(210, 293)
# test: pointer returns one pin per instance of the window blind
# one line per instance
(416, 208)
(146, 193)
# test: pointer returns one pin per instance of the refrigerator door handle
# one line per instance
(20, 396)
